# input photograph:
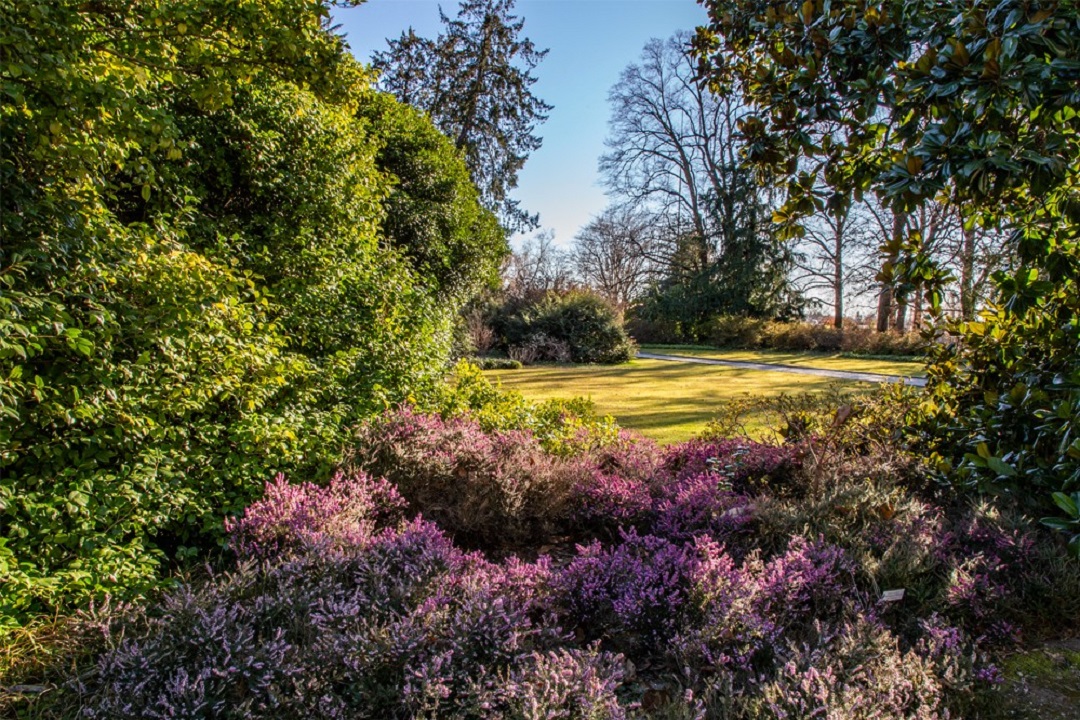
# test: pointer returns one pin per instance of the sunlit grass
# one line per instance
(824, 361)
(664, 400)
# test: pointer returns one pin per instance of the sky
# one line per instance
(589, 43)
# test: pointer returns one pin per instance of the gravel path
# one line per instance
(838, 374)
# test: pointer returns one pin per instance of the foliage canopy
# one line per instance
(221, 248)
(977, 103)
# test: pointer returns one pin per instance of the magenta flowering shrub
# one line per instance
(616, 484)
(705, 505)
(739, 462)
(487, 577)
(810, 581)
(963, 562)
(724, 630)
(630, 593)
(492, 490)
(347, 511)
(605, 502)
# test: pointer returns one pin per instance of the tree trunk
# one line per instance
(838, 273)
(884, 307)
(886, 297)
(901, 315)
(967, 275)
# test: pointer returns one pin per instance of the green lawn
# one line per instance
(665, 400)
(825, 361)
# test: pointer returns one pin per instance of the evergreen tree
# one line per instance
(474, 81)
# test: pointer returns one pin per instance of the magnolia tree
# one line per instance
(973, 104)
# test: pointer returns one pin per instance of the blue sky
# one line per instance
(589, 42)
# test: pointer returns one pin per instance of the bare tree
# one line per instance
(836, 258)
(612, 255)
(538, 267)
(973, 253)
(970, 252)
(671, 147)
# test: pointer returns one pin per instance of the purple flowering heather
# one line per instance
(630, 593)
(854, 669)
(348, 511)
(811, 580)
(740, 615)
(353, 611)
(703, 504)
(567, 684)
(403, 626)
(738, 461)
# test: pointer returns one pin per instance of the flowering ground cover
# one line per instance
(453, 572)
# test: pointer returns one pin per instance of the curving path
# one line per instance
(746, 365)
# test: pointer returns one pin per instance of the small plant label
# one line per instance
(892, 595)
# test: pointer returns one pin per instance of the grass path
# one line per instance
(798, 369)
(665, 400)
(825, 361)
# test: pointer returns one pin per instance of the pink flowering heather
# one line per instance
(704, 504)
(347, 511)
(606, 501)
(490, 490)
(737, 461)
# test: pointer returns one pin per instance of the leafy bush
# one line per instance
(541, 347)
(221, 250)
(1004, 401)
(495, 363)
(577, 326)
(733, 331)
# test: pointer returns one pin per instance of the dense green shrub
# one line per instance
(733, 331)
(495, 363)
(736, 331)
(195, 291)
(1004, 406)
(577, 326)
(432, 213)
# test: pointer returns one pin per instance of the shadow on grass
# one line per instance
(663, 400)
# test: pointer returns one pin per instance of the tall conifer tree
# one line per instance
(475, 82)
